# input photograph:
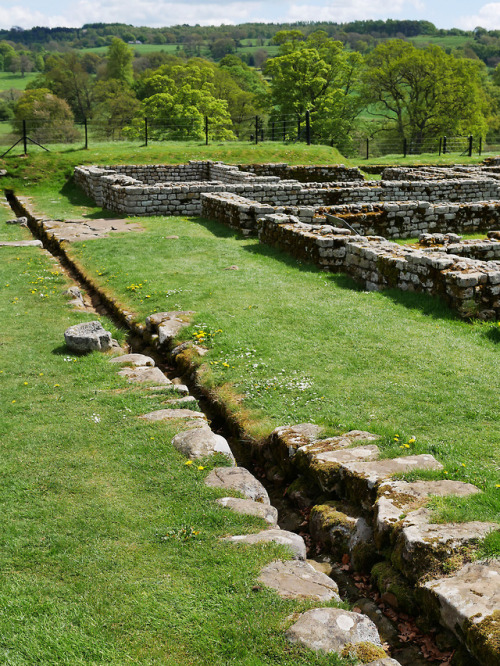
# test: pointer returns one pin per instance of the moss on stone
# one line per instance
(388, 579)
(365, 651)
(363, 555)
(483, 638)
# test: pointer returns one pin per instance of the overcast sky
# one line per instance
(466, 14)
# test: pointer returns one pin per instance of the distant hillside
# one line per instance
(252, 41)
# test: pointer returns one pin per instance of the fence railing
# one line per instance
(370, 147)
(291, 128)
(46, 133)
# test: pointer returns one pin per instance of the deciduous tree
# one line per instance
(424, 92)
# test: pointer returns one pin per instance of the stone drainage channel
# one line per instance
(397, 631)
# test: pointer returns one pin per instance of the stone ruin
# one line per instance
(331, 216)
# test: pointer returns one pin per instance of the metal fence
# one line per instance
(50, 134)
(371, 147)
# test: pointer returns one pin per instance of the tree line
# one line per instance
(396, 90)
(218, 41)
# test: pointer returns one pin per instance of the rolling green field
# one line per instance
(446, 42)
(16, 81)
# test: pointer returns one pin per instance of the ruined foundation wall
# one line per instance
(306, 173)
(471, 287)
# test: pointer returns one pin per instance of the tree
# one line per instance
(119, 65)
(176, 100)
(115, 107)
(222, 47)
(67, 78)
(48, 118)
(424, 92)
(316, 75)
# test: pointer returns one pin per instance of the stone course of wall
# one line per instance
(128, 195)
(307, 173)
(141, 190)
(408, 219)
(391, 220)
(471, 287)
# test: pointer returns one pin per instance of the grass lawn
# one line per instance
(296, 344)
(95, 568)
(291, 344)
(52, 171)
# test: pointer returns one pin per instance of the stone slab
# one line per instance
(27, 243)
(331, 630)
(355, 454)
(423, 546)
(239, 479)
(299, 580)
(395, 498)
(361, 479)
(172, 414)
(145, 375)
(292, 541)
(469, 604)
(136, 360)
(200, 442)
(250, 508)
(75, 230)
(87, 337)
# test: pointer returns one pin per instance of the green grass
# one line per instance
(299, 345)
(90, 495)
(10, 232)
(446, 42)
(423, 159)
(52, 170)
(142, 49)
(387, 362)
(16, 81)
(413, 241)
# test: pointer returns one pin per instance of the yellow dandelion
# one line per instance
(200, 467)
(188, 462)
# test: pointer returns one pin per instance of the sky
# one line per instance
(465, 14)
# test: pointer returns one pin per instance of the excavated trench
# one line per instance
(399, 632)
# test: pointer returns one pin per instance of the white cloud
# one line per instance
(488, 17)
(349, 10)
(136, 12)
(26, 18)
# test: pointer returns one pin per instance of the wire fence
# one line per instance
(50, 134)
(53, 134)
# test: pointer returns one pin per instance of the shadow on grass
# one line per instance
(493, 333)
(77, 197)
(218, 229)
(62, 350)
(430, 306)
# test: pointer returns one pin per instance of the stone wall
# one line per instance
(141, 190)
(458, 190)
(241, 213)
(408, 219)
(391, 220)
(150, 174)
(471, 287)
(306, 173)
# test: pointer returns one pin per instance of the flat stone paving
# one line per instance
(77, 230)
